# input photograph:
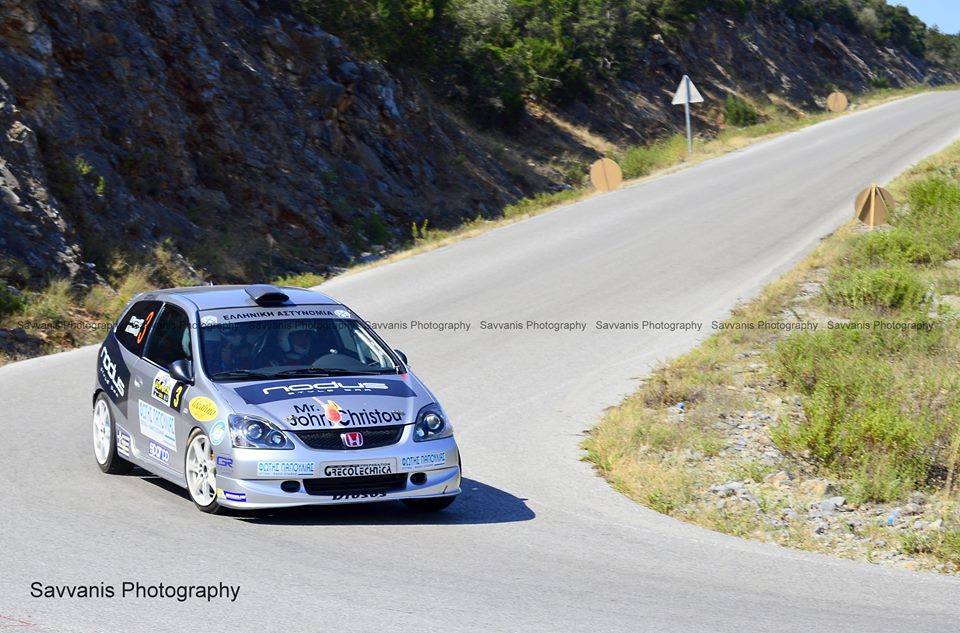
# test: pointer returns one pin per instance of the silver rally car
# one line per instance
(264, 397)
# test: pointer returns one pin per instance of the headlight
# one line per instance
(247, 431)
(431, 424)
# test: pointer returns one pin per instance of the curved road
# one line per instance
(536, 542)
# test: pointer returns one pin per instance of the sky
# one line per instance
(944, 13)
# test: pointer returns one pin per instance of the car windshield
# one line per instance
(274, 348)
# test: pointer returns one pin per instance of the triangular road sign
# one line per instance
(687, 93)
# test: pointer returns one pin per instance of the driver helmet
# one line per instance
(297, 342)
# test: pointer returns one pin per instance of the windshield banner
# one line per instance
(246, 315)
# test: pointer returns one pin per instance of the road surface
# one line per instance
(537, 542)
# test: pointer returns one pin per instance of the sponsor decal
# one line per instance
(286, 469)
(372, 495)
(112, 373)
(358, 470)
(353, 439)
(168, 391)
(426, 460)
(159, 453)
(289, 389)
(217, 433)
(225, 463)
(343, 314)
(332, 410)
(331, 414)
(143, 327)
(203, 409)
(158, 425)
(231, 496)
(208, 320)
(123, 442)
(134, 326)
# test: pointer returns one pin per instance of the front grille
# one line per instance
(329, 439)
(370, 484)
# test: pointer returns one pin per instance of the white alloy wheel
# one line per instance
(201, 480)
(102, 432)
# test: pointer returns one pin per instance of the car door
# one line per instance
(159, 406)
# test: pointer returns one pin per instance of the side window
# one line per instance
(135, 325)
(170, 340)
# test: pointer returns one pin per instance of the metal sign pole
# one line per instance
(686, 110)
(686, 94)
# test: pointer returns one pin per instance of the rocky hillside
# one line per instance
(250, 142)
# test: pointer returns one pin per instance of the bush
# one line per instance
(934, 205)
(104, 301)
(9, 302)
(739, 112)
(640, 160)
(899, 246)
(300, 280)
(873, 412)
(539, 202)
(944, 544)
(54, 303)
(888, 287)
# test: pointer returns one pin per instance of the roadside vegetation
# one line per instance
(843, 439)
(64, 315)
(493, 55)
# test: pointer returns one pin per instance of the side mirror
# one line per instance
(402, 356)
(182, 370)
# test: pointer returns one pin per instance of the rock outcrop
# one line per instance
(255, 144)
(251, 142)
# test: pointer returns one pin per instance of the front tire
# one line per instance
(105, 439)
(201, 474)
(430, 504)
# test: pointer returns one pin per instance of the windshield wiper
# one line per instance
(319, 371)
(239, 373)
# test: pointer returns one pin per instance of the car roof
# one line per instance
(215, 297)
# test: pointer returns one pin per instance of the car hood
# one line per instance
(343, 402)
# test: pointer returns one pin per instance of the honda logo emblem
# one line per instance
(353, 439)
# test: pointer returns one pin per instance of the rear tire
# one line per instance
(105, 439)
(430, 504)
(198, 466)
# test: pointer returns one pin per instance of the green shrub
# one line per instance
(640, 160)
(539, 202)
(739, 112)
(874, 412)
(888, 287)
(9, 302)
(934, 210)
(944, 544)
(899, 246)
(106, 302)
(54, 303)
(300, 280)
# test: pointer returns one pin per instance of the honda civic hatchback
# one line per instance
(264, 397)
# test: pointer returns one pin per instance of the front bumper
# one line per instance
(253, 478)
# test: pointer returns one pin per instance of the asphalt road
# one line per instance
(536, 542)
